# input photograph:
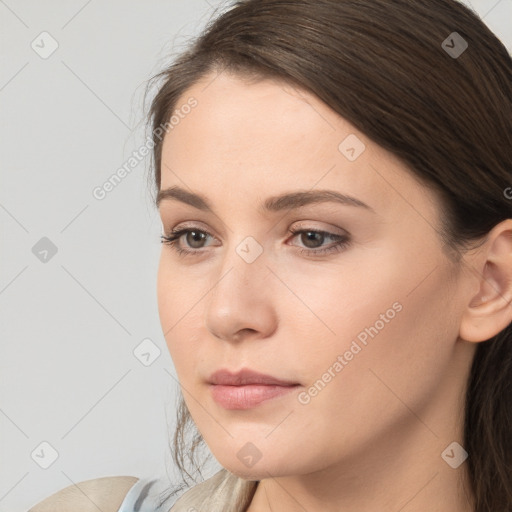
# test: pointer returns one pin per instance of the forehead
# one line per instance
(248, 117)
(270, 137)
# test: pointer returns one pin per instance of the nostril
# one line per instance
(243, 333)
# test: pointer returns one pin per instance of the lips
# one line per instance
(246, 376)
(246, 388)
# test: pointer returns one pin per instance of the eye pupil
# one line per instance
(192, 236)
(312, 236)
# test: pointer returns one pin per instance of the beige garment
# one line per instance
(104, 494)
(223, 492)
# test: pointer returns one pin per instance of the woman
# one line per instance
(334, 189)
(335, 285)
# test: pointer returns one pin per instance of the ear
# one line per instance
(489, 311)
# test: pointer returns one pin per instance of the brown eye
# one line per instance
(195, 238)
(312, 238)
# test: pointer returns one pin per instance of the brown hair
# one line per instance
(382, 65)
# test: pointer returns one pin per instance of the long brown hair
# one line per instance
(398, 73)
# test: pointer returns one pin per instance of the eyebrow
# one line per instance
(284, 201)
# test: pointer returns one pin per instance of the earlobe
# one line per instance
(489, 311)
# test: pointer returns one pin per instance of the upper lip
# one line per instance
(246, 376)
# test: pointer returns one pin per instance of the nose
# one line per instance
(241, 302)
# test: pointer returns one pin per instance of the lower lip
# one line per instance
(247, 396)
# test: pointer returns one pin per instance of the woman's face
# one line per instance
(358, 311)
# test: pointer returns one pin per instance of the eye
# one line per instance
(197, 236)
(315, 238)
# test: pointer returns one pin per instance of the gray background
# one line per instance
(70, 323)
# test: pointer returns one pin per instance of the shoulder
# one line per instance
(223, 492)
(105, 494)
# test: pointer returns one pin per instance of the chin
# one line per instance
(259, 471)
(247, 474)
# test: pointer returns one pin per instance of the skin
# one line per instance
(372, 438)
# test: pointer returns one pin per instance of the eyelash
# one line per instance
(342, 243)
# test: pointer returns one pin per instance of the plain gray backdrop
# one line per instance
(87, 387)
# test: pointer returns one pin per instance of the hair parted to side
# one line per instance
(380, 64)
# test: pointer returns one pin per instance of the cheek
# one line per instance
(338, 305)
(392, 343)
